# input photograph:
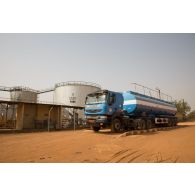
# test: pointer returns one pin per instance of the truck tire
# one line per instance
(96, 129)
(141, 124)
(149, 124)
(175, 122)
(116, 125)
(170, 122)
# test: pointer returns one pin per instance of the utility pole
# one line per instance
(183, 110)
(6, 115)
(48, 122)
(74, 118)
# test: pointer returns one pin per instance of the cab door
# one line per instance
(115, 102)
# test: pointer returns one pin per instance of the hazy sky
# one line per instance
(114, 61)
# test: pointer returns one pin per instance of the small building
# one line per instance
(23, 115)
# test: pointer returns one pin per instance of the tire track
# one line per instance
(135, 157)
(120, 152)
(126, 156)
(117, 154)
(176, 160)
(162, 158)
(165, 160)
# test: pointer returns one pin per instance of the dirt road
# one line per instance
(177, 145)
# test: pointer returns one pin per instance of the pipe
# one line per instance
(48, 122)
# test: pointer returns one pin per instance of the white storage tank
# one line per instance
(23, 94)
(74, 93)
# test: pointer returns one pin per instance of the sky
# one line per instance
(114, 61)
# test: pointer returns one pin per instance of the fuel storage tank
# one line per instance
(23, 94)
(74, 93)
(136, 103)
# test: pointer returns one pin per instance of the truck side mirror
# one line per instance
(111, 99)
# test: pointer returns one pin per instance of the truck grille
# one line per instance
(94, 111)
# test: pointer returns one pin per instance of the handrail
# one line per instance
(45, 90)
(17, 88)
(23, 88)
(77, 83)
(159, 94)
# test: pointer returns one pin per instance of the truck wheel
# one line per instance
(96, 129)
(175, 122)
(170, 122)
(116, 125)
(149, 124)
(141, 125)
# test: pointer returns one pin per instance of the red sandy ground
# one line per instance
(177, 145)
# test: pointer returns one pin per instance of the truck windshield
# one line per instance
(96, 98)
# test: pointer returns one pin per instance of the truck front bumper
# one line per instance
(98, 121)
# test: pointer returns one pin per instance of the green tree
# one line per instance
(182, 108)
(191, 115)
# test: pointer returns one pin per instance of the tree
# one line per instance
(182, 108)
(191, 115)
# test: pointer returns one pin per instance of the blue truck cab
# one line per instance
(101, 106)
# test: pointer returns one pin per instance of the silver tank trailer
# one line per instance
(23, 94)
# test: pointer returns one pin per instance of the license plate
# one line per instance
(91, 121)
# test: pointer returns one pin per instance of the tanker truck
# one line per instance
(128, 110)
